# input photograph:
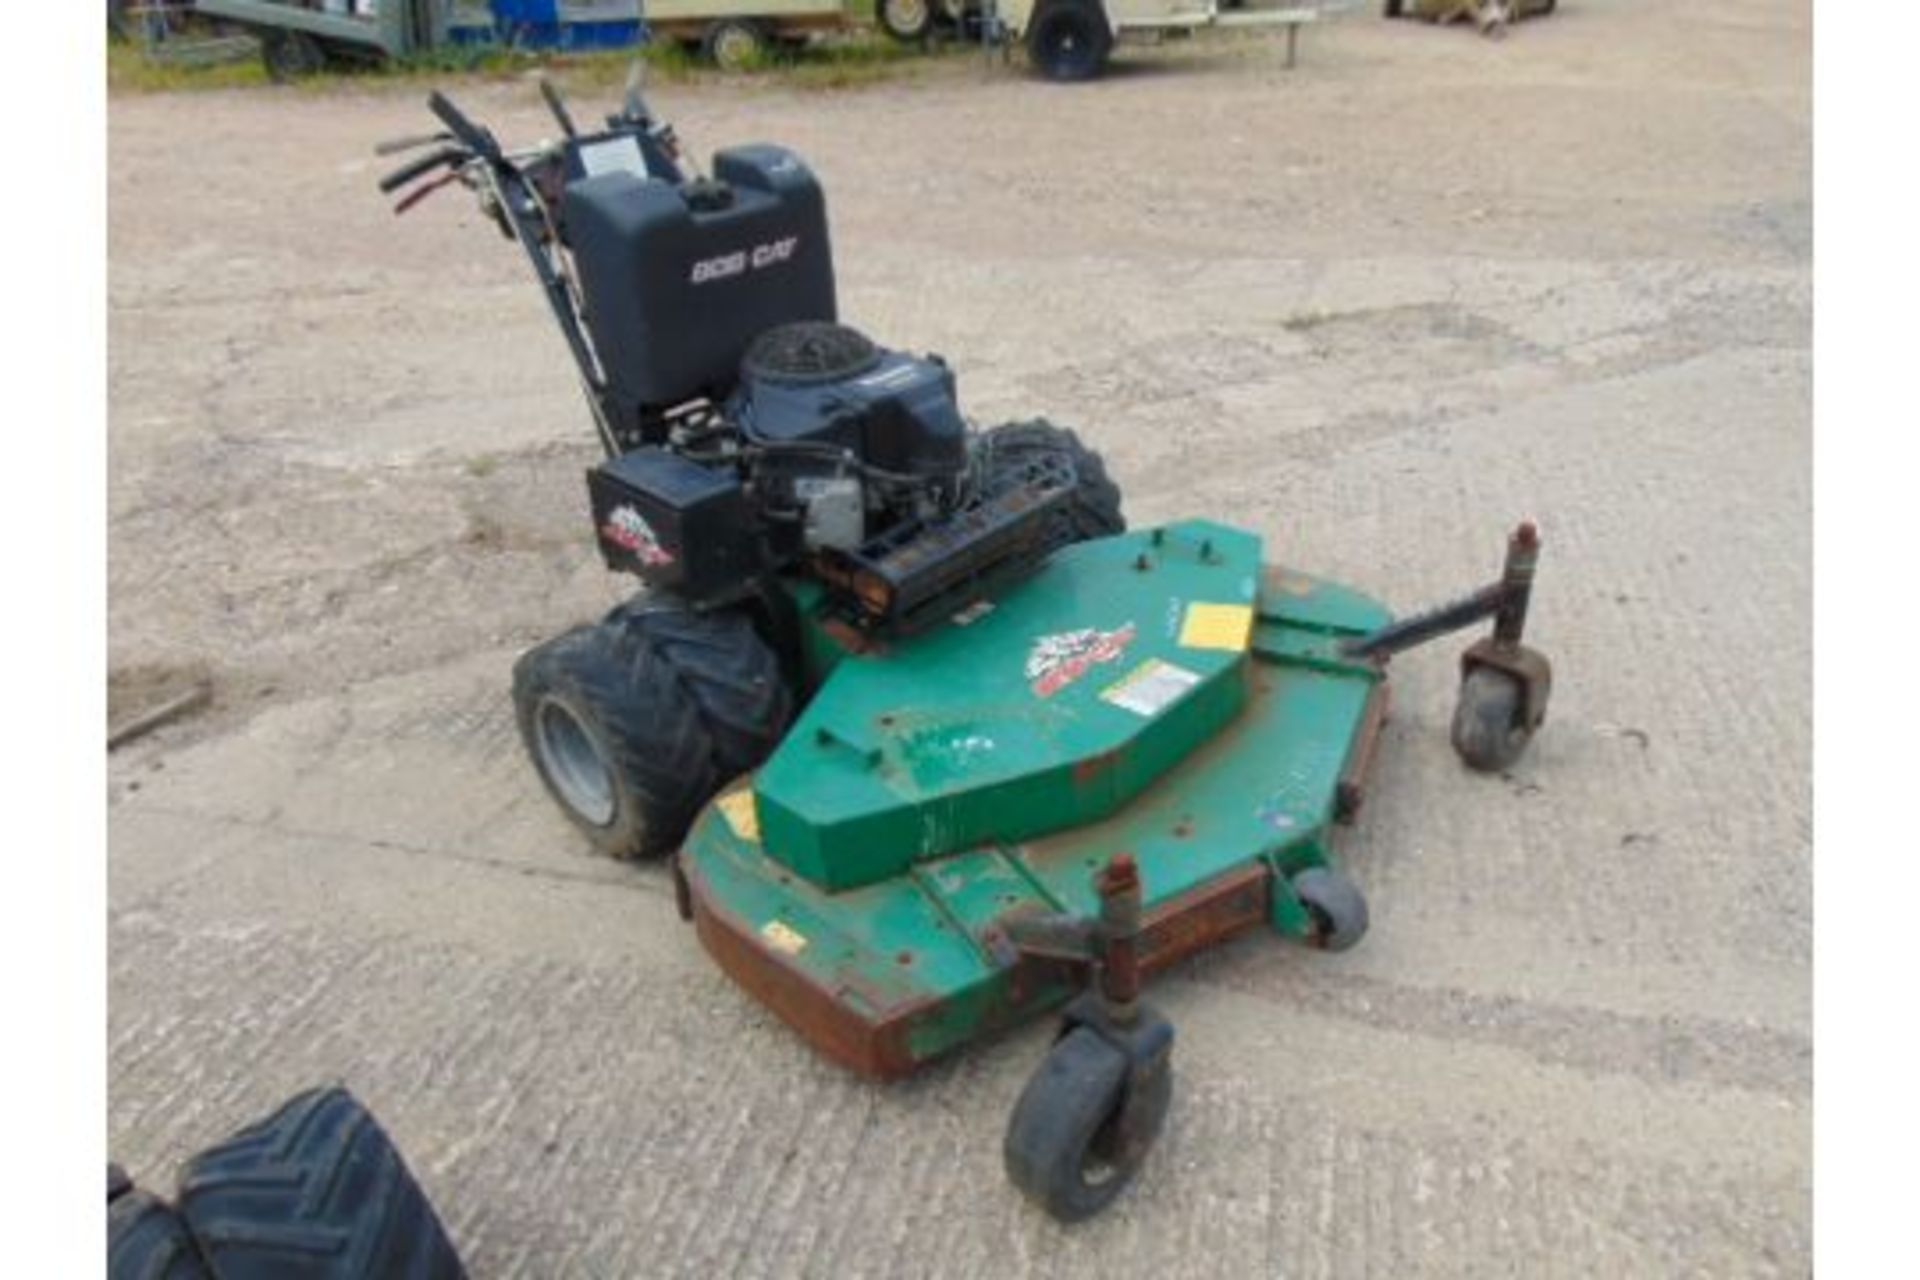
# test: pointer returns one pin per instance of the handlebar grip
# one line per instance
(558, 106)
(425, 164)
(422, 191)
(476, 139)
(394, 146)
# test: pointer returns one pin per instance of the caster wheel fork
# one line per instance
(1090, 1113)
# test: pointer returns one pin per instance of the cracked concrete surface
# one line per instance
(1374, 308)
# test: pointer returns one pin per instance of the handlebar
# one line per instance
(394, 146)
(559, 108)
(520, 191)
(419, 168)
(424, 190)
(466, 132)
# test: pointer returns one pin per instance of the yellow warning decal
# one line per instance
(1217, 626)
(783, 937)
(738, 808)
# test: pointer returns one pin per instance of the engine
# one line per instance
(833, 454)
(761, 436)
(849, 436)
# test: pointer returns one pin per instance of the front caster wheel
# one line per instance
(1089, 1115)
(1338, 908)
(1490, 729)
(1083, 1124)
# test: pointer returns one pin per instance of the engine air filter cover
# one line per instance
(809, 353)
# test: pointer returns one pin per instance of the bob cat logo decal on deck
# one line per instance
(1056, 661)
(626, 527)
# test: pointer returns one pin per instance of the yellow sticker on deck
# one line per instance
(783, 937)
(738, 808)
(1217, 626)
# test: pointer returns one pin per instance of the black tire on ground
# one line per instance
(146, 1240)
(1338, 908)
(908, 21)
(316, 1191)
(290, 55)
(1055, 1150)
(1094, 510)
(734, 44)
(635, 722)
(1394, 8)
(1488, 730)
(1068, 40)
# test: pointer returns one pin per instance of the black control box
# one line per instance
(680, 526)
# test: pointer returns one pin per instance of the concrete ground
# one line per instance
(1376, 308)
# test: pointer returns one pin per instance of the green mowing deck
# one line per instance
(863, 877)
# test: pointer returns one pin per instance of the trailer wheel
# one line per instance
(635, 722)
(316, 1191)
(1069, 40)
(1488, 729)
(1094, 509)
(908, 21)
(1060, 1149)
(1393, 8)
(1338, 908)
(734, 44)
(291, 55)
(146, 1240)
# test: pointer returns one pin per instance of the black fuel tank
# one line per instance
(680, 278)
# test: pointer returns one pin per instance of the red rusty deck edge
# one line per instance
(878, 1047)
(1351, 789)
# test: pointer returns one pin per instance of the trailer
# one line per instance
(300, 37)
(735, 33)
(1072, 39)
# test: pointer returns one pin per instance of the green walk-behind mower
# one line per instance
(932, 743)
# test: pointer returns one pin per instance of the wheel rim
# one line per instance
(734, 48)
(573, 762)
(1068, 48)
(293, 54)
(907, 16)
(1098, 1164)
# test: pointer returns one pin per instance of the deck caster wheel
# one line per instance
(1490, 730)
(1089, 1115)
(1338, 908)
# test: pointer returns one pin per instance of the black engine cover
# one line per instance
(826, 384)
